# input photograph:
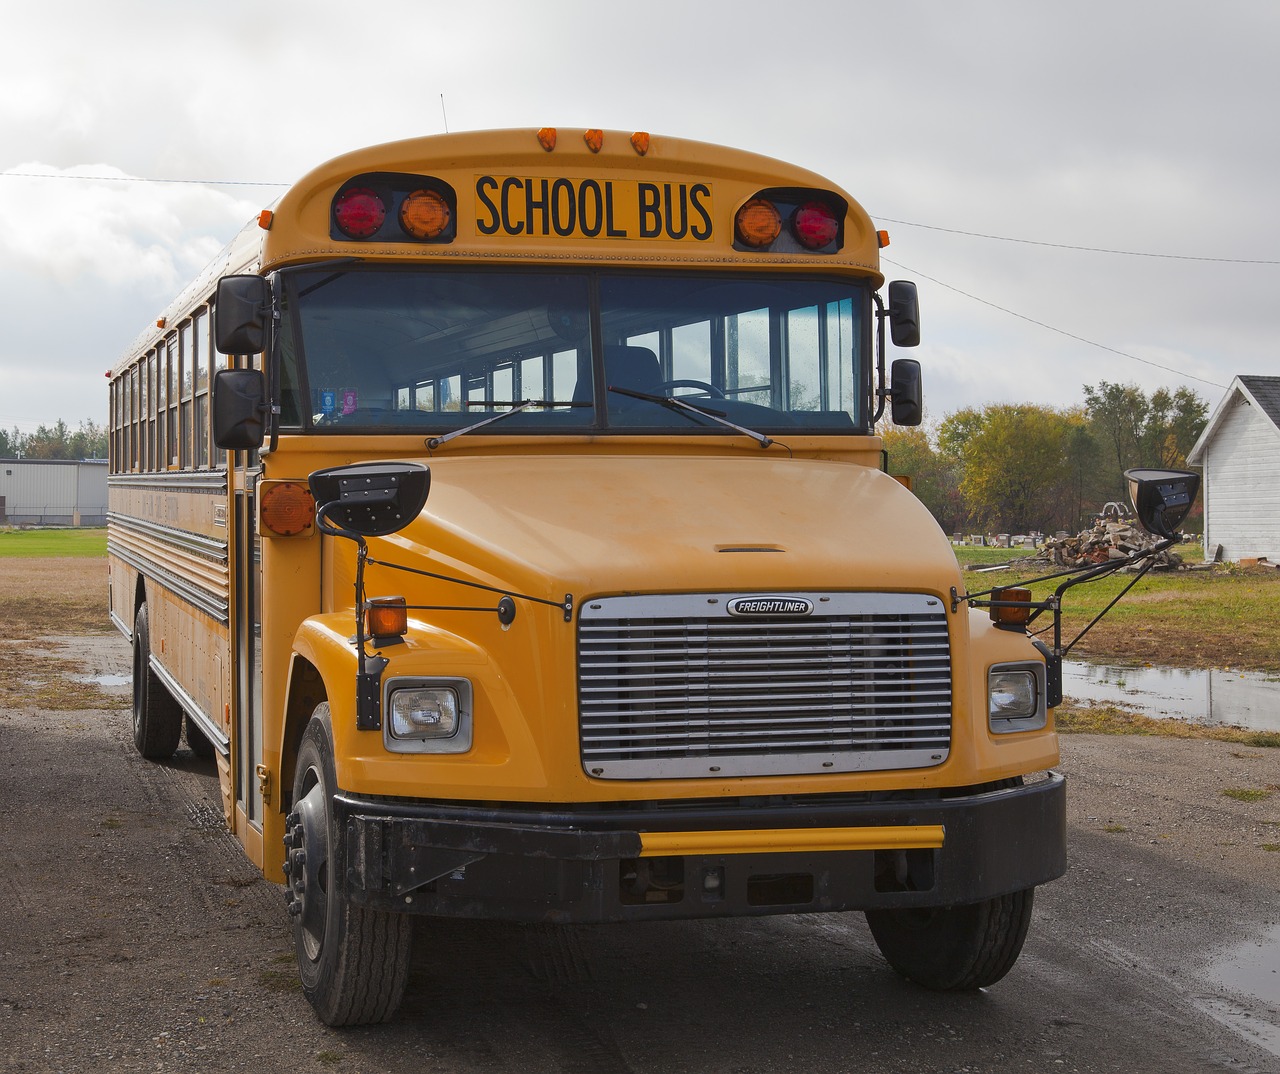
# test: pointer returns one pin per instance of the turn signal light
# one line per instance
(386, 617)
(288, 509)
(1017, 610)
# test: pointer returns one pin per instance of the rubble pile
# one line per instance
(1113, 536)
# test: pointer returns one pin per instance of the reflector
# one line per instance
(358, 212)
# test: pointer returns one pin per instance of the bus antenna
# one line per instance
(445, 114)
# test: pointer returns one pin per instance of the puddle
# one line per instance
(1252, 969)
(1216, 696)
(103, 680)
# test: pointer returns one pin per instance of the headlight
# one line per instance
(427, 715)
(1016, 697)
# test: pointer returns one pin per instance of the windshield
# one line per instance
(378, 350)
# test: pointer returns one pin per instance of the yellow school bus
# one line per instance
(504, 513)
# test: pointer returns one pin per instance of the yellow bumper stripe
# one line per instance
(781, 840)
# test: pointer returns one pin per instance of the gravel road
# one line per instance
(136, 937)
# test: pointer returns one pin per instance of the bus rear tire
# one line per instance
(157, 717)
(197, 740)
(955, 948)
(353, 962)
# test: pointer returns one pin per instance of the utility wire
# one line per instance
(136, 179)
(1084, 249)
(1051, 328)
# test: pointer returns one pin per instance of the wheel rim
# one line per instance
(310, 881)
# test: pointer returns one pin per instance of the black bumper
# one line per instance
(520, 863)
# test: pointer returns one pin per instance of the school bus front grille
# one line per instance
(677, 686)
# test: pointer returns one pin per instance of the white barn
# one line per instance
(1240, 453)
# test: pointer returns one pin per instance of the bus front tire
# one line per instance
(157, 716)
(955, 948)
(353, 962)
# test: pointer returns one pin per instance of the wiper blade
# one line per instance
(672, 403)
(435, 441)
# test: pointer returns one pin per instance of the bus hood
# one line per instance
(549, 525)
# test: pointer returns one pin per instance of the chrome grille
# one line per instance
(678, 687)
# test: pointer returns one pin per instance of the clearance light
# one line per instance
(287, 509)
(359, 212)
(757, 223)
(594, 139)
(264, 219)
(882, 237)
(640, 142)
(424, 214)
(386, 617)
(1011, 618)
(814, 225)
(547, 138)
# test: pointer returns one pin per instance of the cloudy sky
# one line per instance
(1082, 191)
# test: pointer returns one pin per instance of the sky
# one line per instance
(1083, 192)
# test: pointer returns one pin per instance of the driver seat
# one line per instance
(636, 368)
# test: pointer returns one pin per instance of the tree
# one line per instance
(1016, 470)
(1132, 430)
(933, 476)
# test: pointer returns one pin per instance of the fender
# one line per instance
(504, 735)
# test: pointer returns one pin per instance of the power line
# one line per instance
(1084, 249)
(136, 179)
(1052, 328)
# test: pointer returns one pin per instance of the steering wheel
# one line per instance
(664, 387)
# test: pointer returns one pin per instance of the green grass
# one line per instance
(58, 543)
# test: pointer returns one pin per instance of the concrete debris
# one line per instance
(1110, 538)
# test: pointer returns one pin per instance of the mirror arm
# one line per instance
(369, 666)
(879, 393)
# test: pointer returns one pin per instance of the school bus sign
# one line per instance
(573, 208)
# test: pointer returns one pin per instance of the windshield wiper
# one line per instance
(671, 403)
(435, 441)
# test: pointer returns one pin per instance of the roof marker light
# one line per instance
(594, 139)
(264, 219)
(640, 142)
(882, 237)
(359, 212)
(547, 138)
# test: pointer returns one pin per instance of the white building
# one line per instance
(1240, 453)
(53, 492)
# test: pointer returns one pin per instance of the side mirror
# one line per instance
(369, 499)
(1162, 498)
(239, 409)
(904, 314)
(242, 314)
(905, 392)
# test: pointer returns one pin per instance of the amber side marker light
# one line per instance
(547, 138)
(386, 617)
(1011, 608)
(287, 509)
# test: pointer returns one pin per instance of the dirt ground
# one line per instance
(136, 936)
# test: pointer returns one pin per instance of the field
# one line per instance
(76, 544)
(1219, 617)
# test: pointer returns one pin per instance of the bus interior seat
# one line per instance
(636, 368)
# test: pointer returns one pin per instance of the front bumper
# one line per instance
(703, 859)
